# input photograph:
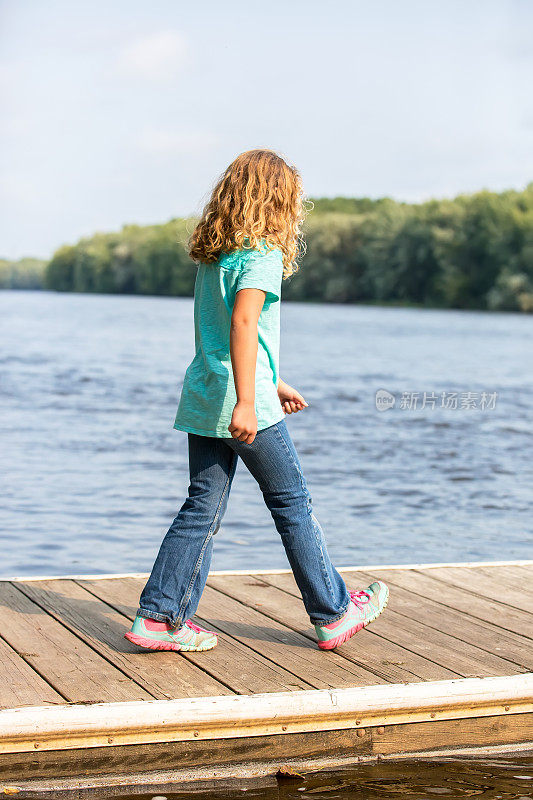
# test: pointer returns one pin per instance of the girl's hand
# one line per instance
(243, 425)
(291, 400)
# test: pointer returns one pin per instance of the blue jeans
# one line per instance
(180, 571)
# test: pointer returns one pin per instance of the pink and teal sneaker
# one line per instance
(366, 605)
(154, 635)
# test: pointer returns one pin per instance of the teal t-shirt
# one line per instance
(208, 395)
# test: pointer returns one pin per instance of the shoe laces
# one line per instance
(360, 598)
(193, 626)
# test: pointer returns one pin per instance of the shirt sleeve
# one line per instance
(262, 269)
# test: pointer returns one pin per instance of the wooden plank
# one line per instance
(473, 580)
(276, 642)
(512, 577)
(196, 718)
(164, 675)
(460, 657)
(421, 583)
(20, 685)
(314, 750)
(206, 756)
(389, 661)
(281, 644)
(452, 734)
(520, 570)
(60, 657)
(514, 648)
(242, 669)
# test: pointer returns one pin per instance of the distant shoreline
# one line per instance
(471, 253)
(361, 304)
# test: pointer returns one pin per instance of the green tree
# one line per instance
(475, 251)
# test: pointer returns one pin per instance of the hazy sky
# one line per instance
(126, 111)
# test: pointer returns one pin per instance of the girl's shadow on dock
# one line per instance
(99, 614)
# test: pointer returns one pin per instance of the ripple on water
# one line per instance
(93, 467)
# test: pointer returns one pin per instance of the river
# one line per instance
(93, 471)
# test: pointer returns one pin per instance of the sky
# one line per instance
(127, 111)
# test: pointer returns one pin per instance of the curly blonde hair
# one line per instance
(258, 197)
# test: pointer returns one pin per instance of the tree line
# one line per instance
(26, 273)
(471, 252)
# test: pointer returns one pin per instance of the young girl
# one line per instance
(233, 404)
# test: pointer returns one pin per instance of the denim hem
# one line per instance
(143, 612)
(332, 619)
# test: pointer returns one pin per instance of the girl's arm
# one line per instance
(243, 351)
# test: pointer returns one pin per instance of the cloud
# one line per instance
(160, 56)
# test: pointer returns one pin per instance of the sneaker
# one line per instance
(155, 635)
(366, 605)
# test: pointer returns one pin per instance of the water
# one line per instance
(509, 778)
(93, 472)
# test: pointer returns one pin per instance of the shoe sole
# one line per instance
(156, 644)
(343, 637)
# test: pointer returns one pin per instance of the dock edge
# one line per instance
(38, 728)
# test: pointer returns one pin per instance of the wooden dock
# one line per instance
(448, 667)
